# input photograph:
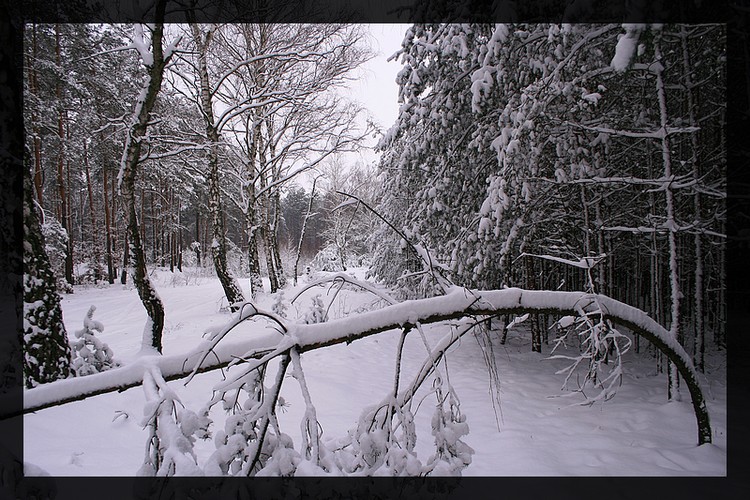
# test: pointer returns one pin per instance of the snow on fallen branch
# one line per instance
(457, 303)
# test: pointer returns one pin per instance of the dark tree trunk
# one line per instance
(64, 211)
(94, 229)
(38, 176)
(108, 231)
(198, 238)
(125, 260)
(131, 159)
(274, 237)
(536, 337)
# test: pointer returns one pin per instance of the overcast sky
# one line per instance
(375, 88)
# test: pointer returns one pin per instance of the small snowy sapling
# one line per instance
(317, 312)
(90, 355)
(279, 307)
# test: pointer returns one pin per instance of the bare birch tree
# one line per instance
(154, 59)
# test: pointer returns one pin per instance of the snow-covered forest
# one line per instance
(526, 276)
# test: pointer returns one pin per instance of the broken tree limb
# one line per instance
(458, 303)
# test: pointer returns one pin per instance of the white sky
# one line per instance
(375, 87)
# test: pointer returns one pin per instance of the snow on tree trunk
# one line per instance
(155, 63)
(670, 224)
(45, 344)
(304, 227)
(231, 288)
(698, 341)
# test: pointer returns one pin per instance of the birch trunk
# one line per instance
(251, 217)
(302, 231)
(152, 332)
(231, 288)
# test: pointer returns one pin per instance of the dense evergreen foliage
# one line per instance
(575, 141)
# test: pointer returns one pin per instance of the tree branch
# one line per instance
(458, 303)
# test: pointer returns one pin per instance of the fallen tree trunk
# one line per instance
(458, 303)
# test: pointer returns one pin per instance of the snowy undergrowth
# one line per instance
(540, 433)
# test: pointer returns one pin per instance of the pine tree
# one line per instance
(44, 339)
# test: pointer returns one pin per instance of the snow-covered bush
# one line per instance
(327, 259)
(90, 355)
(279, 307)
(316, 313)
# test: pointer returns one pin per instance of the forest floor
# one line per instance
(537, 430)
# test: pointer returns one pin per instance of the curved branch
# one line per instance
(456, 304)
(348, 279)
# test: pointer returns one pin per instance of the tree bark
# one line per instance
(274, 237)
(302, 231)
(37, 141)
(152, 333)
(251, 217)
(536, 338)
(231, 288)
(699, 345)
(673, 388)
(125, 259)
(94, 229)
(108, 229)
(64, 212)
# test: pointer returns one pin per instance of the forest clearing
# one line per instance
(234, 267)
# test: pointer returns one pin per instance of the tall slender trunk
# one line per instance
(125, 259)
(302, 231)
(699, 346)
(154, 241)
(252, 139)
(536, 338)
(274, 237)
(674, 330)
(61, 188)
(265, 238)
(94, 229)
(231, 288)
(152, 332)
(198, 237)
(602, 280)
(108, 230)
(37, 141)
(586, 228)
(274, 204)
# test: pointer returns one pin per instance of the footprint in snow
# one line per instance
(75, 459)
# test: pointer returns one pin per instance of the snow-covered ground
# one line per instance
(536, 432)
